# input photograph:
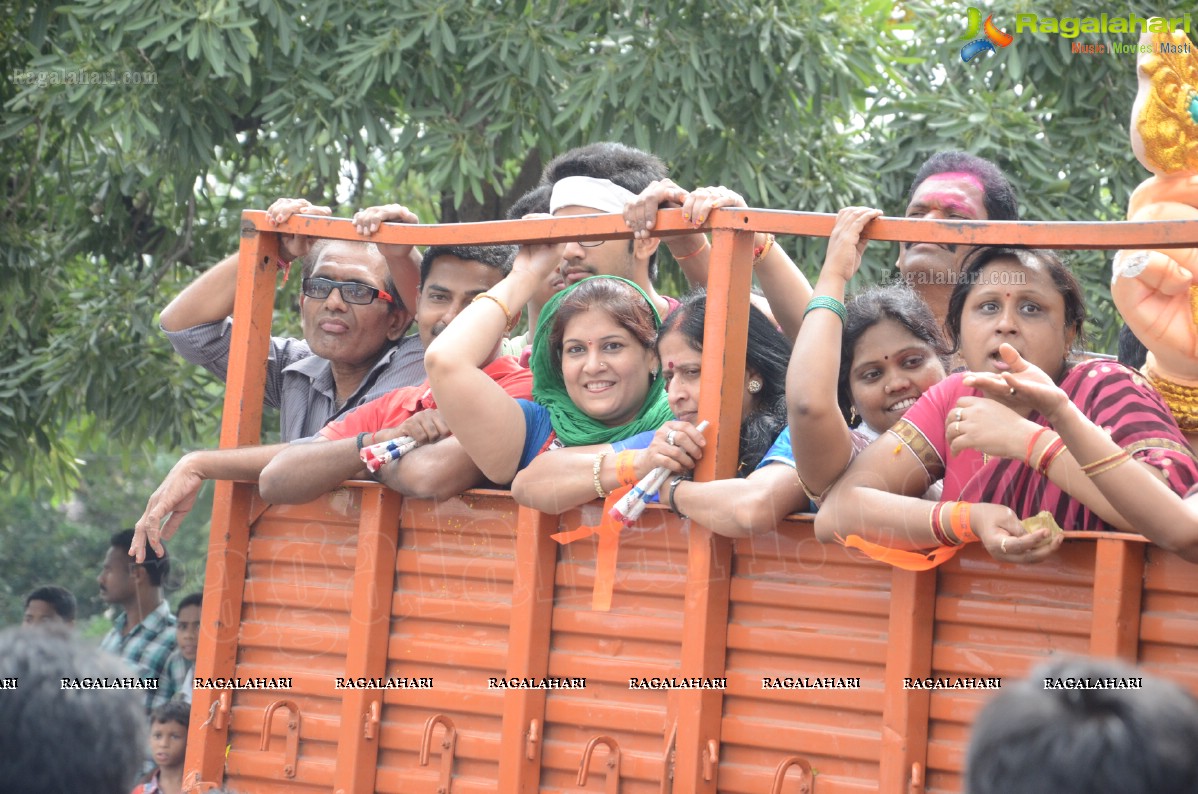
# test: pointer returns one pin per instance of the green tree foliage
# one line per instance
(43, 543)
(121, 188)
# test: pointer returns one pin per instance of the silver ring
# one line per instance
(960, 414)
(1003, 545)
(670, 438)
(1012, 391)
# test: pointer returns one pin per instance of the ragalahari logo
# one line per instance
(992, 36)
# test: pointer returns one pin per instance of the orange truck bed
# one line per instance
(396, 645)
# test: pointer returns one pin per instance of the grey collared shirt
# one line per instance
(299, 383)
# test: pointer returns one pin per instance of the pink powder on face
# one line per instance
(961, 175)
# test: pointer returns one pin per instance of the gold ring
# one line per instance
(1003, 545)
(957, 428)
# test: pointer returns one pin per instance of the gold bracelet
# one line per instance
(1181, 399)
(507, 314)
(595, 473)
(1103, 465)
(695, 252)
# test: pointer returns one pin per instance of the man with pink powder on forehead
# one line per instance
(951, 185)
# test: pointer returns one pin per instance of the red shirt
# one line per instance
(397, 406)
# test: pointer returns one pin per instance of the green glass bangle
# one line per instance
(826, 302)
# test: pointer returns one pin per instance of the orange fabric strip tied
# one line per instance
(609, 549)
(907, 560)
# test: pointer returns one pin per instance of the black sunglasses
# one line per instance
(351, 291)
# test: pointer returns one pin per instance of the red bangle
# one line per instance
(937, 529)
(1031, 445)
(1050, 454)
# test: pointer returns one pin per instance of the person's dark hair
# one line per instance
(1062, 278)
(157, 567)
(623, 303)
(998, 195)
(1033, 739)
(898, 302)
(172, 711)
(767, 354)
(1131, 350)
(499, 257)
(190, 600)
(311, 258)
(629, 168)
(104, 728)
(61, 599)
(535, 200)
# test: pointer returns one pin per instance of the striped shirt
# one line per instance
(146, 647)
(299, 383)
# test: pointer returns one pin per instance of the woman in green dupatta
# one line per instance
(593, 365)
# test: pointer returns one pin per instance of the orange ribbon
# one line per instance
(907, 560)
(609, 548)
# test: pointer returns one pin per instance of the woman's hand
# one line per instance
(999, 529)
(845, 245)
(701, 201)
(988, 427)
(1024, 387)
(676, 445)
(294, 245)
(368, 221)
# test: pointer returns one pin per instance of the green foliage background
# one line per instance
(118, 193)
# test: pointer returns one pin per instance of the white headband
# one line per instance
(601, 195)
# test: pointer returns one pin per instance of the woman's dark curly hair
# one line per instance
(768, 355)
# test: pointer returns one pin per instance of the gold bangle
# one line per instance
(695, 252)
(507, 314)
(1103, 465)
(595, 473)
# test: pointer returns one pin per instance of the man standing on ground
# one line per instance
(143, 634)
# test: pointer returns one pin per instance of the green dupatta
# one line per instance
(573, 427)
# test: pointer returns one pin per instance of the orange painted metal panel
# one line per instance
(359, 583)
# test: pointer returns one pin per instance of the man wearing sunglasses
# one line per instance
(451, 277)
(353, 317)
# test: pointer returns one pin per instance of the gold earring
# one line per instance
(852, 414)
(754, 386)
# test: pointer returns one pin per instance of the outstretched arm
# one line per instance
(823, 443)
(175, 497)
(738, 508)
(436, 471)
(493, 438)
(562, 479)
(305, 470)
(785, 287)
(877, 500)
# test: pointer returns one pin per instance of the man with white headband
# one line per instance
(633, 260)
(604, 177)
